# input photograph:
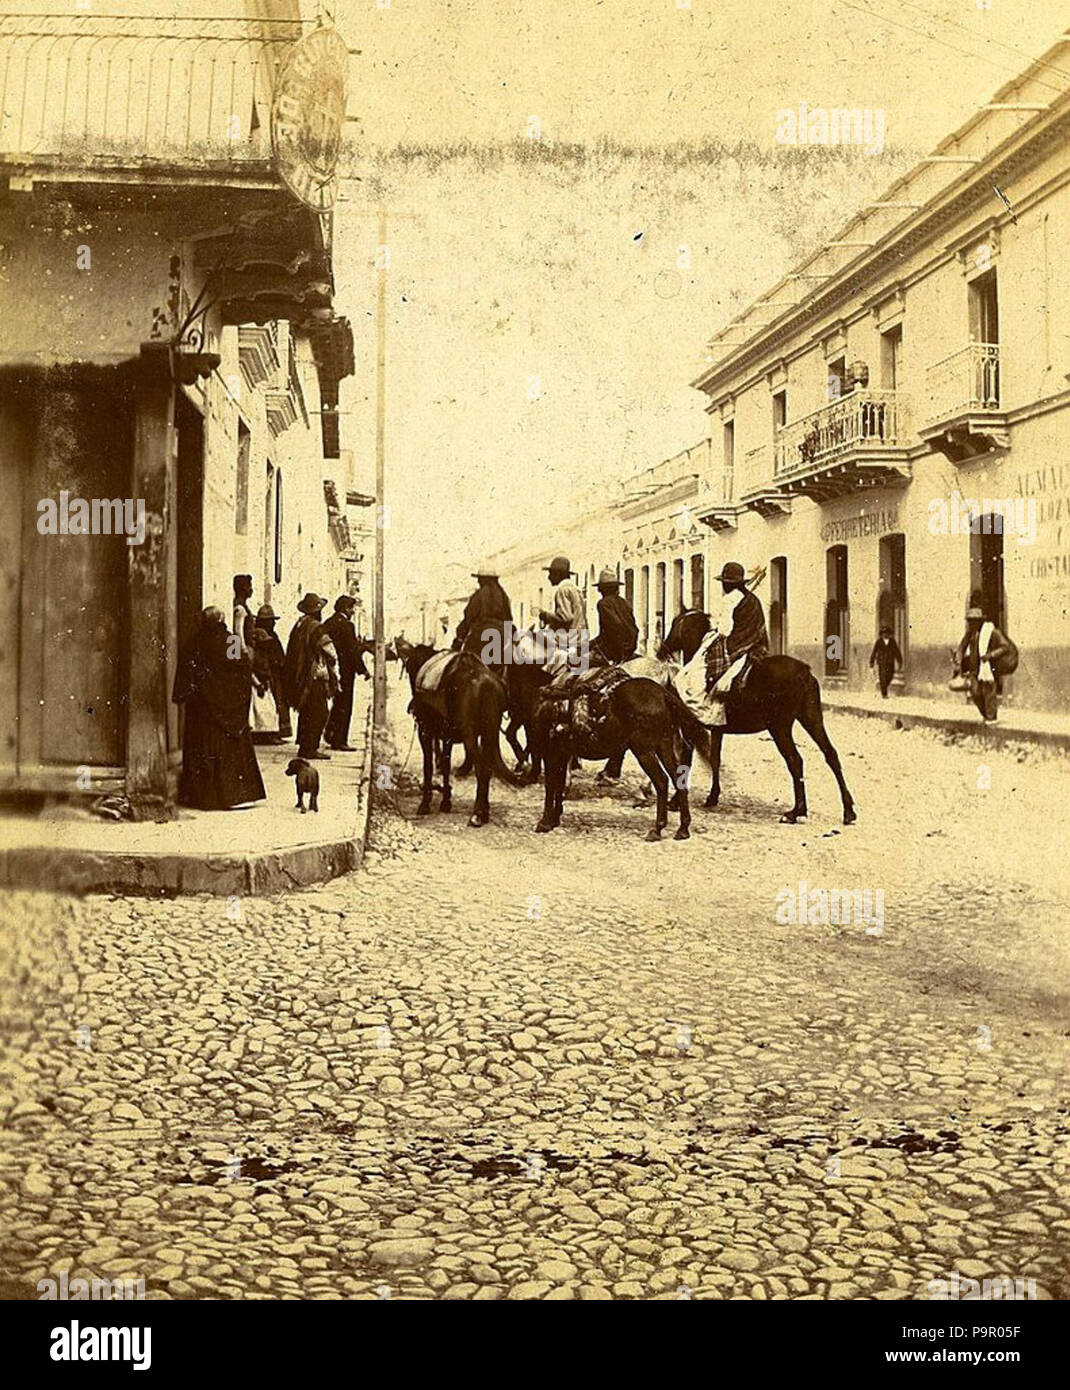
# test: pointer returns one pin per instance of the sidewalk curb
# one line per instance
(997, 734)
(172, 875)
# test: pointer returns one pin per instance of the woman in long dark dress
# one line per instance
(219, 767)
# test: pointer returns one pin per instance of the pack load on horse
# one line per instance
(456, 699)
(604, 713)
(769, 694)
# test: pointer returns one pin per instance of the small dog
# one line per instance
(308, 780)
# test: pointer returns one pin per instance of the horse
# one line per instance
(778, 691)
(468, 710)
(643, 717)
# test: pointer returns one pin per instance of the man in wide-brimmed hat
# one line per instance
(311, 680)
(482, 629)
(618, 632)
(980, 657)
(343, 635)
(271, 713)
(569, 611)
(744, 617)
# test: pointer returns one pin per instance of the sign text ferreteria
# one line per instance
(870, 524)
(307, 116)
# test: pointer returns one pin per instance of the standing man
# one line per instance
(339, 628)
(485, 615)
(311, 678)
(244, 623)
(618, 632)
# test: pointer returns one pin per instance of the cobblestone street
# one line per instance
(499, 1065)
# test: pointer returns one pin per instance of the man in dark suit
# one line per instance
(339, 628)
(617, 629)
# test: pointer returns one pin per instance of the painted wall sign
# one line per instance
(869, 524)
(307, 116)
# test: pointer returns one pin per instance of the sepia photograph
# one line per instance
(534, 672)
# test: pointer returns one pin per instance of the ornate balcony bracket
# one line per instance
(768, 502)
(967, 436)
(720, 516)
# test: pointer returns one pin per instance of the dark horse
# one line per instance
(467, 708)
(642, 717)
(779, 690)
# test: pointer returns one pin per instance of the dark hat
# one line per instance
(346, 601)
(266, 611)
(732, 573)
(883, 629)
(559, 565)
(312, 603)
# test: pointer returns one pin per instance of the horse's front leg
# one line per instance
(715, 767)
(551, 809)
(446, 804)
(683, 777)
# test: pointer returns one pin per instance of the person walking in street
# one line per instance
(483, 626)
(885, 656)
(343, 637)
(271, 713)
(618, 632)
(219, 767)
(983, 657)
(311, 679)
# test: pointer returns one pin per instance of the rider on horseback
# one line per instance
(747, 638)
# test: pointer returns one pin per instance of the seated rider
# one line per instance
(483, 628)
(747, 636)
(618, 633)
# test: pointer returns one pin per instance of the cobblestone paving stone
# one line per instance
(500, 1066)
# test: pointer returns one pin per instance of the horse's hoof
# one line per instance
(446, 806)
(423, 810)
(543, 827)
(792, 817)
(653, 837)
(849, 817)
(476, 821)
(711, 801)
(683, 833)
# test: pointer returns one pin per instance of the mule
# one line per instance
(778, 691)
(642, 717)
(467, 708)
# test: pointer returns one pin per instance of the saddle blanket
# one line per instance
(649, 668)
(690, 684)
(429, 676)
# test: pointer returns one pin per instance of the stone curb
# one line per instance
(997, 734)
(171, 875)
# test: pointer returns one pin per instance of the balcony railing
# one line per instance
(139, 90)
(965, 383)
(866, 421)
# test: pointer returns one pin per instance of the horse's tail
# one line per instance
(687, 724)
(492, 703)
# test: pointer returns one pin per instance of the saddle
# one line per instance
(584, 698)
(427, 688)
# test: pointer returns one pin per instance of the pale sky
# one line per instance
(516, 268)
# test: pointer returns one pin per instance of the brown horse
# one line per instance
(467, 708)
(779, 690)
(642, 717)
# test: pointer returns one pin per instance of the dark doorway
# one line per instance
(837, 612)
(892, 599)
(189, 540)
(778, 604)
(986, 568)
(698, 581)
